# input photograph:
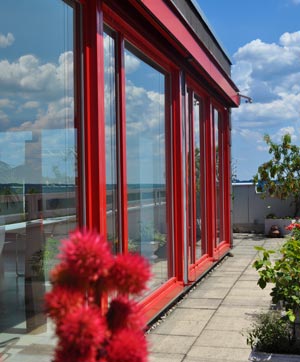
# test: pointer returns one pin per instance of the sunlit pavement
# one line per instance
(207, 324)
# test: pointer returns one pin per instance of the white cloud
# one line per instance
(28, 75)
(30, 105)
(290, 39)
(6, 40)
(57, 115)
(270, 74)
(296, 2)
(6, 103)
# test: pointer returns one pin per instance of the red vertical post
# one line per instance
(178, 189)
(192, 178)
(210, 175)
(122, 175)
(227, 177)
(94, 129)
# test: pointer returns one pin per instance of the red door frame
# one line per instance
(208, 191)
(94, 157)
(94, 127)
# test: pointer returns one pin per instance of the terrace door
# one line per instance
(196, 245)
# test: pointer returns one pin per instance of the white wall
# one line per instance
(249, 209)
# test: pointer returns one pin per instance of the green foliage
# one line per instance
(280, 176)
(43, 260)
(270, 333)
(284, 273)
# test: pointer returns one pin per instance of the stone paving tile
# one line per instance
(209, 293)
(189, 314)
(165, 344)
(228, 311)
(226, 277)
(247, 301)
(230, 339)
(240, 261)
(166, 357)
(205, 303)
(246, 284)
(212, 283)
(249, 277)
(228, 267)
(220, 354)
(255, 291)
(20, 357)
(219, 323)
(181, 328)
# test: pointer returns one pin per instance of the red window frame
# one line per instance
(95, 13)
(224, 173)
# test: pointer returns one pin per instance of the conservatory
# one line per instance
(115, 115)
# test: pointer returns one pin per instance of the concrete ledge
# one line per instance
(273, 357)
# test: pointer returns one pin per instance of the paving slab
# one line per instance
(236, 323)
(170, 344)
(219, 353)
(216, 338)
(181, 328)
(166, 357)
(216, 313)
(201, 303)
(189, 314)
(211, 293)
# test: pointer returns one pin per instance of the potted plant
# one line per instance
(282, 269)
(281, 223)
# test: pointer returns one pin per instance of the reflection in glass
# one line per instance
(197, 119)
(38, 170)
(110, 139)
(146, 162)
(217, 160)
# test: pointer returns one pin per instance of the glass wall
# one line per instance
(197, 111)
(146, 162)
(218, 155)
(111, 139)
(38, 151)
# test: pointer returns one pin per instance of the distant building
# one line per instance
(114, 115)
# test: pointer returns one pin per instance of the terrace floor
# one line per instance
(205, 325)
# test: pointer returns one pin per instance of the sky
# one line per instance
(261, 37)
(262, 40)
(36, 91)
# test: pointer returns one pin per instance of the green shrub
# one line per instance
(270, 333)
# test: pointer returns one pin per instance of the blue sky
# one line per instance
(36, 89)
(262, 39)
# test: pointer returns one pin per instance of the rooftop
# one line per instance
(204, 326)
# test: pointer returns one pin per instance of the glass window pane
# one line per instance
(146, 163)
(110, 140)
(38, 151)
(197, 104)
(218, 184)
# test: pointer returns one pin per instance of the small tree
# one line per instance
(280, 176)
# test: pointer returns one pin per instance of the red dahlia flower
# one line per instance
(124, 313)
(129, 274)
(80, 334)
(127, 346)
(87, 255)
(62, 300)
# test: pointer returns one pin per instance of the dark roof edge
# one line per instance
(210, 29)
(195, 21)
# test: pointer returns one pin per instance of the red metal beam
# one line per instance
(176, 28)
